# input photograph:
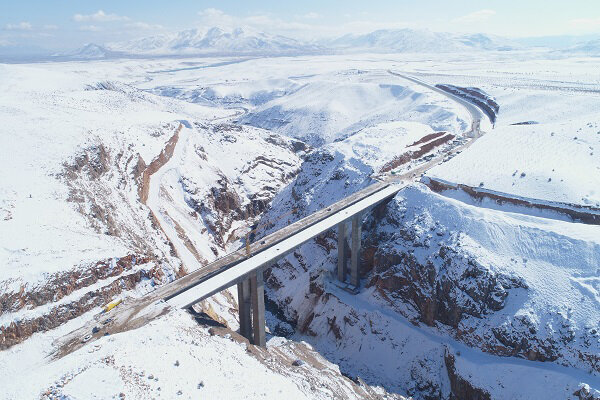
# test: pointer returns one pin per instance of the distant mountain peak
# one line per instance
(240, 40)
(89, 51)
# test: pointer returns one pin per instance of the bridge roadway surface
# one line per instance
(237, 266)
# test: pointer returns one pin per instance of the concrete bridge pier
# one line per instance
(355, 251)
(251, 305)
(356, 238)
(257, 292)
(244, 309)
(341, 264)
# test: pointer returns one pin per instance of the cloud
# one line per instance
(215, 17)
(99, 16)
(310, 25)
(90, 28)
(585, 24)
(144, 26)
(50, 27)
(312, 15)
(21, 26)
(475, 16)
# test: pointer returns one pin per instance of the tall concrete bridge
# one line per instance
(248, 273)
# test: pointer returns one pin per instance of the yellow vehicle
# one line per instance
(112, 305)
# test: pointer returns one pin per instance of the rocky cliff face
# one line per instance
(414, 257)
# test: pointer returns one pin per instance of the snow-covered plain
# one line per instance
(358, 118)
(553, 156)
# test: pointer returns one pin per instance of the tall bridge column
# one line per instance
(356, 237)
(244, 305)
(257, 292)
(341, 264)
(251, 304)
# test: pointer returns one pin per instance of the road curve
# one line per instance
(474, 133)
(476, 114)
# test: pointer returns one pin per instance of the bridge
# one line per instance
(248, 274)
(245, 266)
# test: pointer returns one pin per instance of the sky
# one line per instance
(68, 24)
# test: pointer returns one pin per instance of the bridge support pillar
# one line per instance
(244, 305)
(251, 303)
(257, 292)
(356, 237)
(341, 264)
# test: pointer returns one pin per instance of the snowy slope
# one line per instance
(545, 146)
(455, 298)
(591, 48)
(337, 106)
(40, 107)
(175, 358)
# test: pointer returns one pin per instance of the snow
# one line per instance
(123, 363)
(342, 104)
(361, 117)
(550, 256)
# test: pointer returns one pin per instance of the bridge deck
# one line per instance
(235, 274)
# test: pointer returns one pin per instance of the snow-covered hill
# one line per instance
(329, 108)
(214, 40)
(90, 51)
(591, 47)
(417, 41)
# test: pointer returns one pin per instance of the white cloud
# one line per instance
(474, 17)
(21, 26)
(50, 27)
(99, 16)
(215, 17)
(310, 25)
(90, 28)
(312, 15)
(144, 26)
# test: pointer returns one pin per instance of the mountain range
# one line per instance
(244, 41)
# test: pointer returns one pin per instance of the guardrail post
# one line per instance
(244, 304)
(341, 263)
(257, 290)
(356, 226)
